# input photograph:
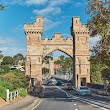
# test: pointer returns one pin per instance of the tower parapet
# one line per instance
(57, 39)
(36, 27)
(78, 28)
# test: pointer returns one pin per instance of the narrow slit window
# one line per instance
(76, 21)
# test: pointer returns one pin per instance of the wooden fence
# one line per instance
(11, 95)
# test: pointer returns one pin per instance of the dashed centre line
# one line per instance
(85, 101)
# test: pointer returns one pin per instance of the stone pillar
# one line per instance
(81, 51)
(34, 51)
(51, 67)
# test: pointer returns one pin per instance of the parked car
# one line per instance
(59, 83)
(83, 90)
(49, 83)
(52, 81)
(68, 86)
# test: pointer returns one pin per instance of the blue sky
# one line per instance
(57, 18)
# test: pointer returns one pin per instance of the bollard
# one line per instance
(7, 95)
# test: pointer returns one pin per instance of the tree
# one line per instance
(45, 70)
(46, 59)
(4, 69)
(62, 57)
(1, 56)
(65, 63)
(95, 73)
(17, 58)
(99, 22)
(106, 75)
(2, 7)
(7, 60)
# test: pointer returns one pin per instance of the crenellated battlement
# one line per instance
(36, 27)
(78, 27)
(81, 32)
(57, 39)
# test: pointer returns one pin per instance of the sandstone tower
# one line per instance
(34, 51)
(81, 52)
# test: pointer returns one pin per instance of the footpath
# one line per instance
(26, 103)
(100, 92)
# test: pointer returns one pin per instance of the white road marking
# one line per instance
(58, 98)
(83, 100)
(37, 105)
(74, 104)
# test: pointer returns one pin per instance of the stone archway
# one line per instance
(78, 49)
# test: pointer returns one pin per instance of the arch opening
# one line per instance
(61, 50)
(58, 64)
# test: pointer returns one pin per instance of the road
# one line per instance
(57, 98)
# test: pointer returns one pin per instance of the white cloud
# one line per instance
(93, 41)
(48, 11)
(24, 2)
(77, 4)
(18, 28)
(5, 41)
(35, 2)
(8, 46)
(48, 24)
(7, 2)
(53, 8)
(58, 2)
(7, 51)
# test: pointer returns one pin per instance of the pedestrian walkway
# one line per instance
(100, 92)
(22, 104)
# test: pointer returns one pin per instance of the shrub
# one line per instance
(2, 92)
(4, 69)
(22, 92)
(14, 80)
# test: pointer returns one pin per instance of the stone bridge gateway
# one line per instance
(77, 49)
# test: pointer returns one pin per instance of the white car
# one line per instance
(83, 90)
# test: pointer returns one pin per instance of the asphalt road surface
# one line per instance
(57, 98)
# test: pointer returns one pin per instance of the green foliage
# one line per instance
(99, 12)
(17, 58)
(7, 85)
(99, 24)
(106, 73)
(1, 56)
(7, 60)
(2, 92)
(62, 57)
(45, 70)
(46, 59)
(13, 80)
(66, 64)
(4, 69)
(22, 92)
(95, 71)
